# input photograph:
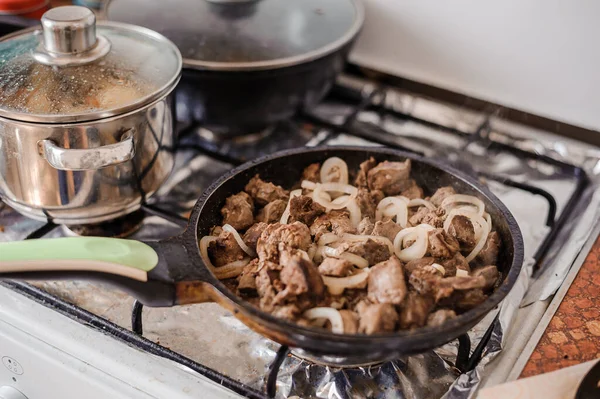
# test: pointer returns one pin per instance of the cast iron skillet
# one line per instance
(176, 275)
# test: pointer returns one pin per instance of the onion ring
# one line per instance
(417, 250)
(462, 198)
(331, 314)
(421, 202)
(230, 270)
(356, 260)
(241, 243)
(327, 169)
(393, 206)
(204, 242)
(286, 213)
(337, 285)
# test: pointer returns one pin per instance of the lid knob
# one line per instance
(69, 37)
(69, 30)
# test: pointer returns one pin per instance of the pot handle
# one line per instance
(89, 158)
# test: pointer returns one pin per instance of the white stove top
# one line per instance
(46, 355)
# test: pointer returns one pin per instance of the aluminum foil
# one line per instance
(211, 336)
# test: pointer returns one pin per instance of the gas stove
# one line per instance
(91, 340)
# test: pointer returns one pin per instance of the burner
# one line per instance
(121, 227)
(247, 138)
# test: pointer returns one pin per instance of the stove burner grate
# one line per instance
(350, 127)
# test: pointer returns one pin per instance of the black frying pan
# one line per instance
(171, 272)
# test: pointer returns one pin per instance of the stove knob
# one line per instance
(7, 392)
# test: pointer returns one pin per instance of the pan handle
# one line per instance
(132, 265)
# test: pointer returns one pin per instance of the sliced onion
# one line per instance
(363, 238)
(331, 314)
(327, 238)
(324, 199)
(479, 223)
(204, 242)
(356, 260)
(420, 202)
(337, 285)
(239, 240)
(465, 199)
(439, 268)
(309, 185)
(355, 213)
(328, 167)
(393, 206)
(480, 243)
(417, 250)
(339, 187)
(286, 213)
(462, 273)
(231, 270)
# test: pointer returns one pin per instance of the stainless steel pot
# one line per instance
(86, 120)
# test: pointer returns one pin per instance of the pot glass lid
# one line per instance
(74, 70)
(246, 34)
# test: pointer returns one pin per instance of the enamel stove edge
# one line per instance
(46, 355)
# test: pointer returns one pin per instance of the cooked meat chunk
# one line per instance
(366, 203)
(386, 282)
(224, 250)
(417, 264)
(252, 235)
(414, 310)
(387, 229)
(390, 177)
(466, 300)
(441, 244)
(425, 279)
(238, 211)
(373, 251)
(413, 191)
(376, 318)
(364, 168)
(489, 252)
(336, 221)
(365, 227)
(335, 267)
(263, 192)
(216, 231)
(295, 235)
(427, 216)
(268, 284)
(287, 312)
(456, 262)
(441, 194)
(462, 229)
(350, 320)
(271, 213)
(377, 196)
(489, 273)
(247, 280)
(428, 280)
(312, 173)
(301, 279)
(304, 210)
(439, 317)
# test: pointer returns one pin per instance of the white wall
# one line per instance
(540, 56)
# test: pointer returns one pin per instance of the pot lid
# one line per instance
(76, 70)
(246, 34)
